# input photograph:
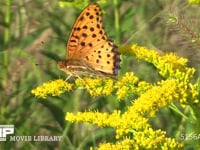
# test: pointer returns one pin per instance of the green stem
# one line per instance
(4, 57)
(6, 37)
(174, 107)
(116, 14)
(7, 23)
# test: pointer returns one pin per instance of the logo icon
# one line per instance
(5, 130)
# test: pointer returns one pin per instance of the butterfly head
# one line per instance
(62, 65)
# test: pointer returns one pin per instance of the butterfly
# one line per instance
(89, 52)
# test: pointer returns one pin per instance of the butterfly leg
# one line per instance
(68, 78)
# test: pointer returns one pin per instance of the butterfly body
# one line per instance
(74, 67)
(89, 51)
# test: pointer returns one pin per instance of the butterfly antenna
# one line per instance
(40, 64)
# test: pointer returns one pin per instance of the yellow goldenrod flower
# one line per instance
(143, 136)
(54, 88)
(156, 97)
(155, 139)
(194, 1)
(100, 119)
(96, 87)
(126, 85)
(167, 64)
(125, 144)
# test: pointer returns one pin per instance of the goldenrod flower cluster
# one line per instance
(171, 67)
(96, 87)
(126, 85)
(194, 1)
(54, 88)
(133, 130)
(124, 144)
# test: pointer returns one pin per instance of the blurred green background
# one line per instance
(35, 32)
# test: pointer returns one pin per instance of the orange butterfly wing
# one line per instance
(88, 42)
